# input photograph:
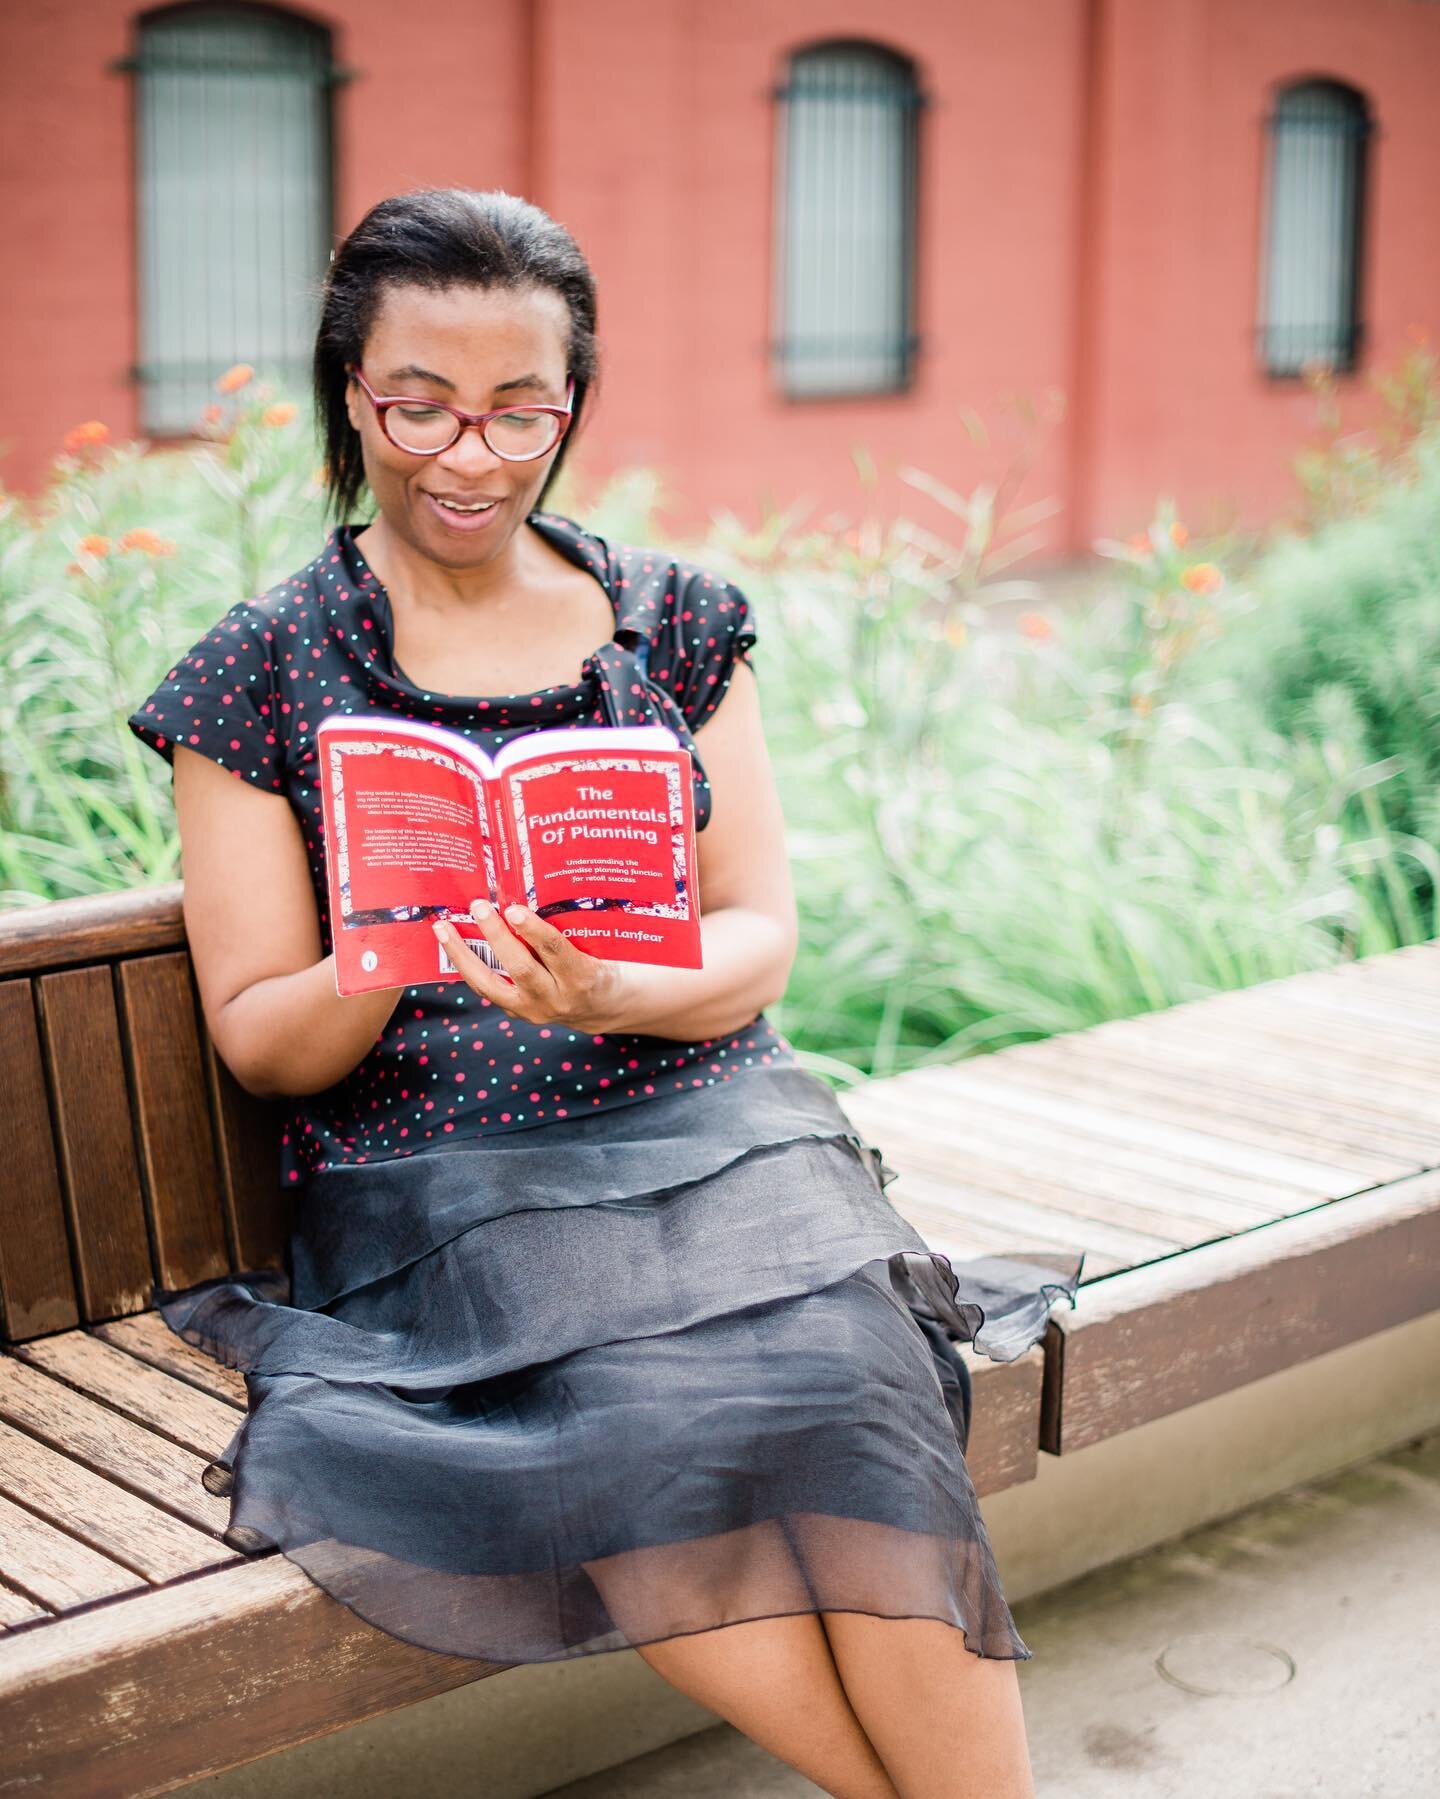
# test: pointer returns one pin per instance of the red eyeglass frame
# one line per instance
(383, 402)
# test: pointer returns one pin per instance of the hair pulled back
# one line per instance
(440, 237)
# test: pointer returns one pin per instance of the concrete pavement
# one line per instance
(1288, 1651)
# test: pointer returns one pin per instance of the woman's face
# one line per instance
(475, 348)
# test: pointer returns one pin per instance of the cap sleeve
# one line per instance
(706, 631)
(220, 700)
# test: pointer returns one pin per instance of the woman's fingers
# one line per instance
(491, 983)
(553, 947)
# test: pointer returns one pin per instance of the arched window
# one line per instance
(234, 207)
(1315, 211)
(845, 221)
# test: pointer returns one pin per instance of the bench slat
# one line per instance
(1322, 1045)
(1116, 1225)
(248, 1132)
(148, 1338)
(1094, 1164)
(139, 1697)
(1004, 1445)
(92, 927)
(1213, 1068)
(54, 1568)
(172, 1118)
(37, 1291)
(133, 1457)
(97, 1148)
(1107, 1198)
(929, 1206)
(15, 1609)
(1150, 1340)
(170, 1407)
(107, 1517)
(1403, 1018)
(1184, 1147)
(1243, 1115)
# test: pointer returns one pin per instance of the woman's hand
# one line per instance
(552, 982)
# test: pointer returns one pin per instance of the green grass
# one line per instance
(1223, 771)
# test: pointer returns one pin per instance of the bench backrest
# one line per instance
(128, 1151)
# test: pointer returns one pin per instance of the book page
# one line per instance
(602, 832)
(412, 830)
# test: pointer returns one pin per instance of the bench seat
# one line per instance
(1253, 1176)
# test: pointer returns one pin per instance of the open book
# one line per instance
(592, 828)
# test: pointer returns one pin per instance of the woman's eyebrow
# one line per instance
(413, 372)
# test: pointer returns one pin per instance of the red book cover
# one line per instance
(592, 828)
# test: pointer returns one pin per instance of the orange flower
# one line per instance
(94, 545)
(955, 632)
(1036, 625)
(1142, 703)
(73, 568)
(212, 414)
(80, 437)
(1201, 577)
(235, 378)
(279, 414)
(1140, 543)
(151, 542)
(1179, 536)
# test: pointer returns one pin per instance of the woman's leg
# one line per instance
(772, 1677)
(775, 1679)
(946, 1723)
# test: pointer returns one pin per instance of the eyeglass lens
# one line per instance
(516, 435)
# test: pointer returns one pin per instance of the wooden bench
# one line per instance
(1251, 1177)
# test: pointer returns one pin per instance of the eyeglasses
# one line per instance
(426, 427)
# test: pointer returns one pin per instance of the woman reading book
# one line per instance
(597, 1328)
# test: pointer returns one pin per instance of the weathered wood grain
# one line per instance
(148, 1338)
(1148, 1341)
(93, 1137)
(107, 1517)
(167, 1406)
(172, 1119)
(126, 1453)
(37, 1291)
(177, 1683)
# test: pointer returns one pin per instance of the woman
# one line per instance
(597, 1328)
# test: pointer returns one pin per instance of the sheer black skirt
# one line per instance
(621, 1378)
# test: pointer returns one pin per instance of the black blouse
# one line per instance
(249, 695)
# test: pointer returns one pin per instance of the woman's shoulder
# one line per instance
(226, 695)
(663, 593)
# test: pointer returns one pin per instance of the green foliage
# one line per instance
(1001, 826)
(1343, 647)
(999, 835)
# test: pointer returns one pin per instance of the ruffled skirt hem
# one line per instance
(533, 1404)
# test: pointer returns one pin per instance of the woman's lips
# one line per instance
(460, 521)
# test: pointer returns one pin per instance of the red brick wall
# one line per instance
(1090, 191)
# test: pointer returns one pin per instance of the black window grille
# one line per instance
(844, 246)
(234, 206)
(1314, 225)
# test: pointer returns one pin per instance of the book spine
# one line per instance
(507, 856)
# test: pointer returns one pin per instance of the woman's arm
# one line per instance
(268, 995)
(748, 925)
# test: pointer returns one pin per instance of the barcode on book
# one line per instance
(481, 949)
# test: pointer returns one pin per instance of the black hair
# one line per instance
(440, 237)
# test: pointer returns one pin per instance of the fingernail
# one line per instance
(480, 908)
(438, 926)
(515, 913)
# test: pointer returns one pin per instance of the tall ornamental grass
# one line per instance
(1001, 826)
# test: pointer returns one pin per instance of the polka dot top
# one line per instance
(250, 694)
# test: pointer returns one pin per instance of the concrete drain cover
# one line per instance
(1211, 1664)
